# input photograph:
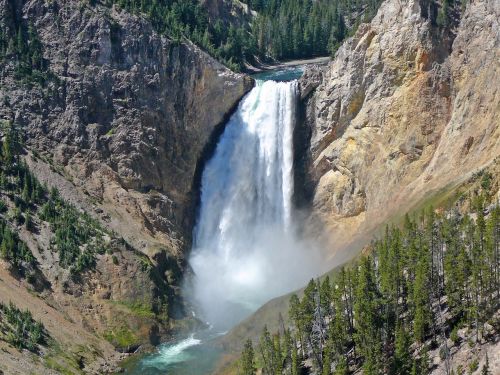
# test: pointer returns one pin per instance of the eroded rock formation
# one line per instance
(128, 117)
(405, 110)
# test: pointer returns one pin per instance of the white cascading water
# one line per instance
(245, 248)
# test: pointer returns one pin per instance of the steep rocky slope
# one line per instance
(128, 116)
(406, 110)
(121, 125)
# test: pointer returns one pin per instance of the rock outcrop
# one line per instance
(128, 116)
(406, 109)
(229, 12)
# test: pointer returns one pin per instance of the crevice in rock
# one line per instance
(303, 183)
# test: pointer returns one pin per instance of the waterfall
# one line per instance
(245, 250)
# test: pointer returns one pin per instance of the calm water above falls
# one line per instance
(286, 74)
(245, 249)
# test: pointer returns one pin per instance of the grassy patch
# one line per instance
(139, 309)
(121, 337)
(61, 361)
(443, 198)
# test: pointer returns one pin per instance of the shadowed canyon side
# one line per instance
(245, 248)
(406, 110)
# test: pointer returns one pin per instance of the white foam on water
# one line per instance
(169, 354)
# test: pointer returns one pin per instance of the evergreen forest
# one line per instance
(419, 286)
(18, 328)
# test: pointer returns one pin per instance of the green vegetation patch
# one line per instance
(19, 329)
(78, 237)
(121, 337)
(140, 309)
(62, 361)
(437, 271)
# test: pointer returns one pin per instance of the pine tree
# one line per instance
(267, 353)
(296, 315)
(26, 194)
(402, 363)
(7, 149)
(3, 181)
(28, 222)
(4, 251)
(295, 368)
(327, 361)
(247, 359)
(341, 367)
(367, 312)
(421, 298)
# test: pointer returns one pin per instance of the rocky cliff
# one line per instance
(121, 124)
(127, 116)
(229, 12)
(406, 110)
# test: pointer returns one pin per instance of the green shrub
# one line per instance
(486, 181)
(121, 337)
(454, 335)
(473, 366)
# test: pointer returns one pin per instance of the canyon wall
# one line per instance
(127, 115)
(405, 111)
(121, 125)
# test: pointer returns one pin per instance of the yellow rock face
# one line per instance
(403, 111)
